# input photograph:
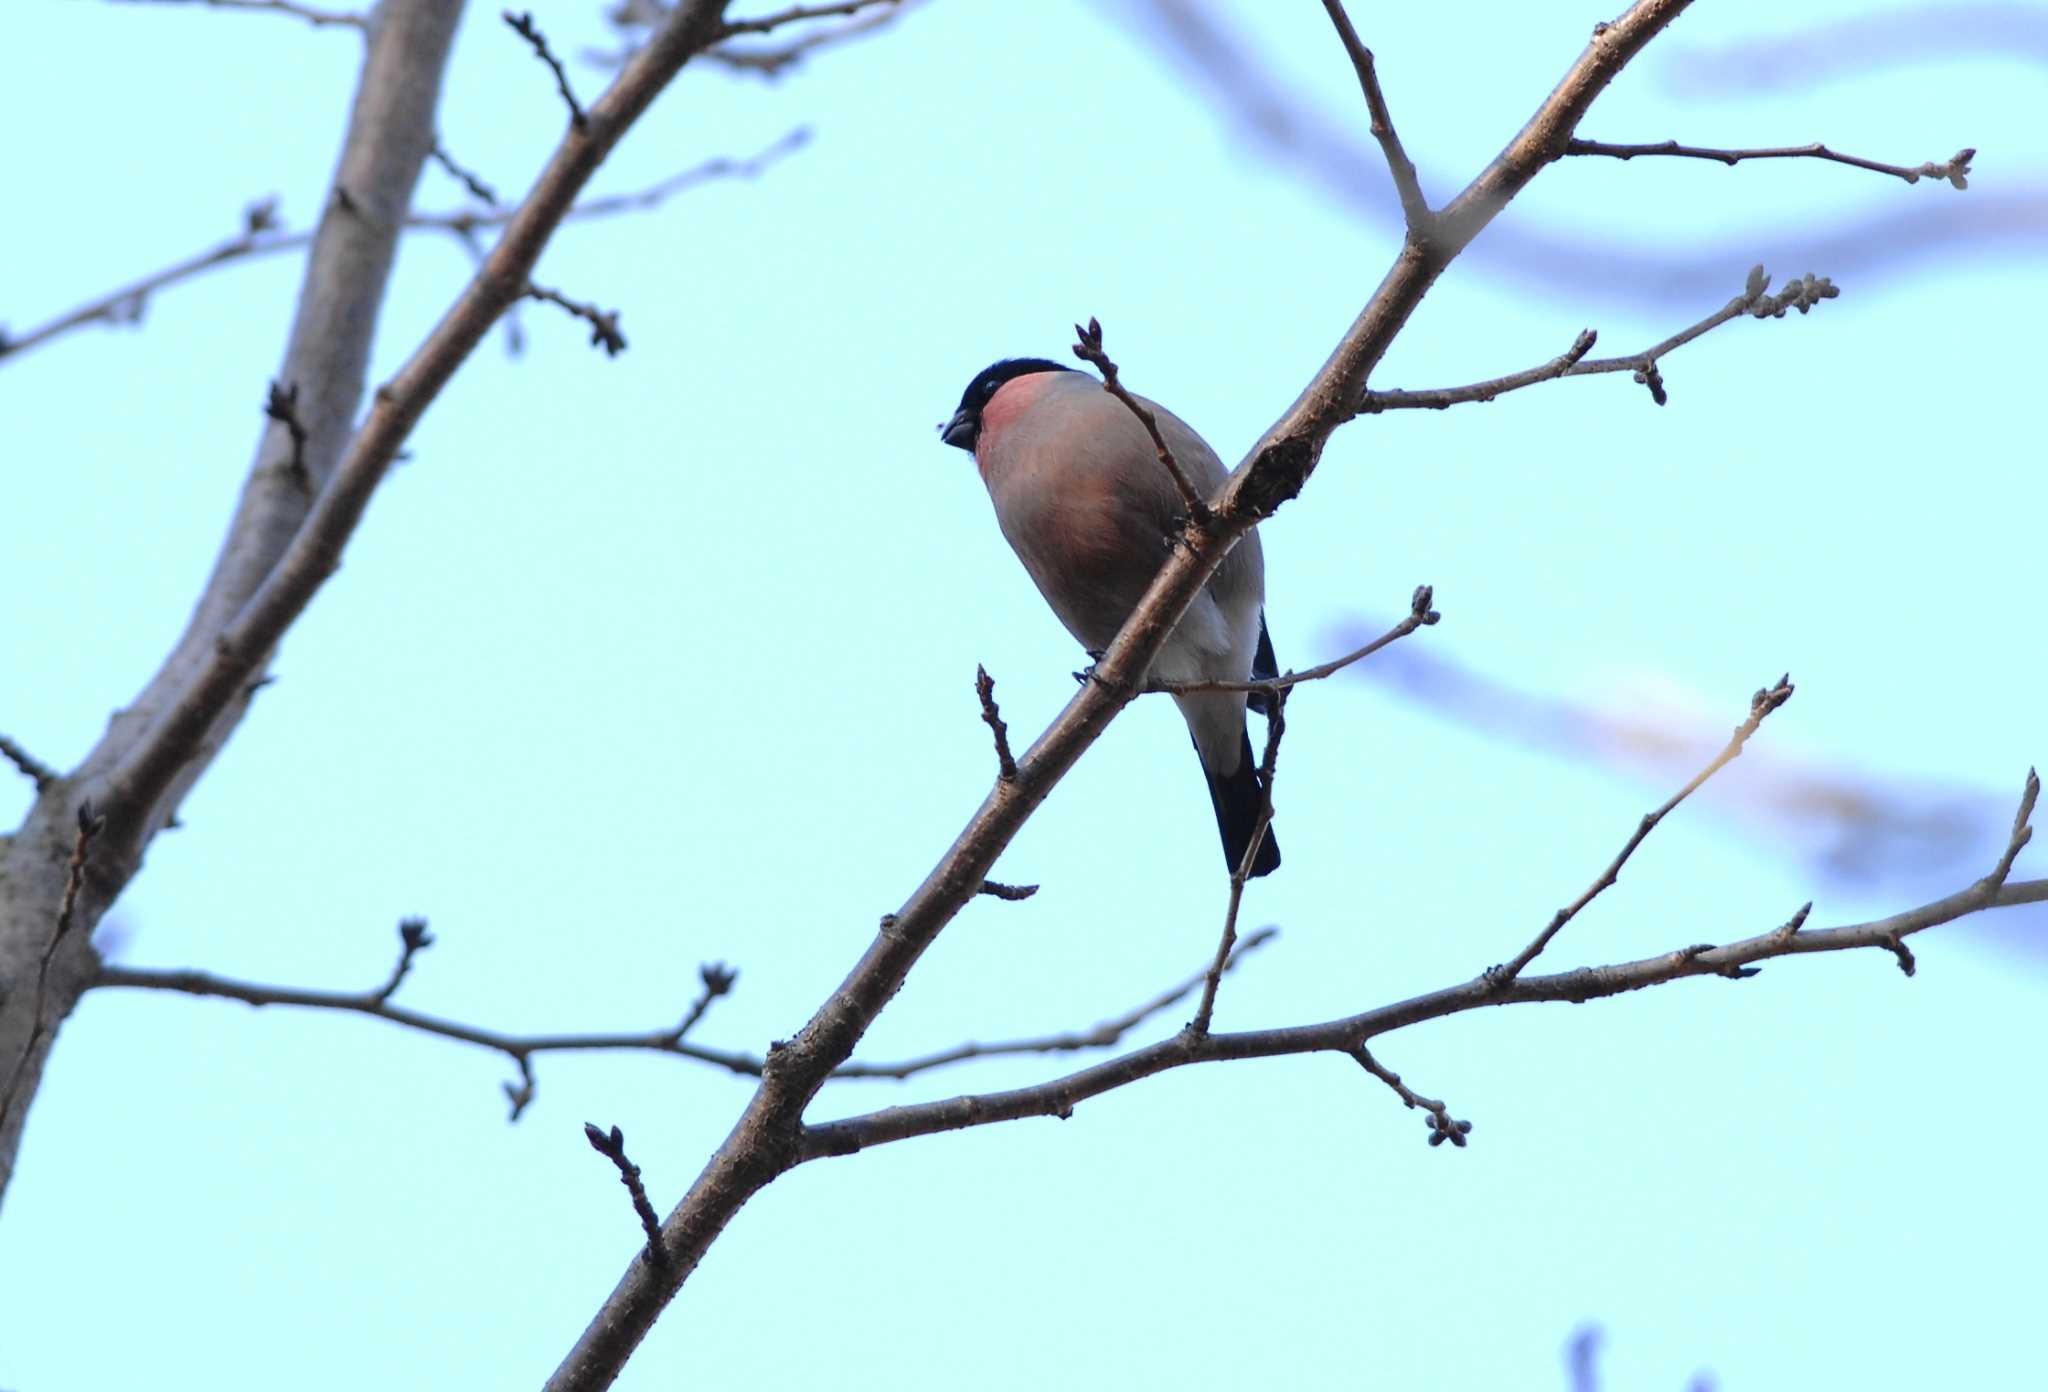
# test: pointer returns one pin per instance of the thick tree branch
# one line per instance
(1407, 183)
(1760, 706)
(1060, 1096)
(262, 237)
(1954, 170)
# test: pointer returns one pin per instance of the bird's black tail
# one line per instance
(1237, 797)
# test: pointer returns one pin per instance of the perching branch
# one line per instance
(262, 237)
(1802, 294)
(90, 825)
(717, 980)
(1059, 1097)
(1088, 348)
(1420, 615)
(1760, 706)
(1954, 170)
(1407, 183)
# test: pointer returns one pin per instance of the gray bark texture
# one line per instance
(42, 972)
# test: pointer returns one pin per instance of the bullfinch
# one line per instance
(1086, 504)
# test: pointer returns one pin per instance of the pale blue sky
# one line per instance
(650, 661)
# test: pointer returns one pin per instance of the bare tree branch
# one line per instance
(797, 14)
(90, 825)
(522, 24)
(1407, 183)
(477, 187)
(32, 768)
(772, 63)
(1953, 171)
(1760, 706)
(604, 323)
(612, 1146)
(1442, 1125)
(1060, 1096)
(1420, 615)
(1241, 873)
(262, 237)
(1088, 348)
(985, 689)
(1802, 294)
(717, 981)
(319, 19)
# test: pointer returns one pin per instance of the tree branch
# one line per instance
(717, 981)
(522, 24)
(1407, 183)
(796, 14)
(1088, 348)
(612, 1146)
(1442, 1125)
(32, 768)
(1802, 294)
(604, 323)
(262, 237)
(1420, 615)
(1954, 170)
(319, 19)
(1060, 1096)
(1760, 706)
(985, 689)
(1241, 873)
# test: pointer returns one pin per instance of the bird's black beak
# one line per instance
(962, 431)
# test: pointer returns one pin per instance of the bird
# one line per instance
(1084, 501)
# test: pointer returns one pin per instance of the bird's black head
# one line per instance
(964, 429)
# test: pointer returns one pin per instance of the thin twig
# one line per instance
(1420, 615)
(604, 323)
(32, 768)
(522, 1049)
(413, 939)
(477, 187)
(319, 19)
(1058, 1097)
(1376, 401)
(772, 63)
(796, 14)
(1088, 348)
(1009, 893)
(1954, 170)
(523, 25)
(1241, 873)
(1802, 294)
(262, 237)
(282, 406)
(718, 980)
(1442, 1125)
(1760, 705)
(985, 688)
(612, 1146)
(1407, 183)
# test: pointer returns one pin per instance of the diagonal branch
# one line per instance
(32, 768)
(1954, 170)
(1059, 1097)
(1760, 706)
(797, 14)
(319, 19)
(1241, 873)
(1088, 348)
